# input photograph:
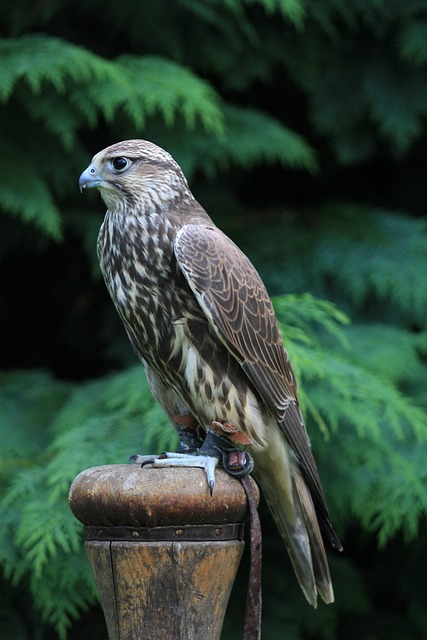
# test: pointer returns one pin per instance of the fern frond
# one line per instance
(43, 538)
(397, 100)
(58, 116)
(98, 423)
(364, 259)
(64, 590)
(105, 422)
(140, 86)
(402, 497)
(349, 388)
(362, 399)
(24, 431)
(146, 86)
(312, 316)
(38, 59)
(164, 86)
(250, 138)
(244, 144)
(377, 436)
(389, 480)
(24, 193)
(390, 352)
(355, 254)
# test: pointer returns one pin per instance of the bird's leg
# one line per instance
(216, 449)
(189, 431)
(219, 447)
(190, 452)
(191, 436)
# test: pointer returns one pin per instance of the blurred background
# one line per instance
(301, 127)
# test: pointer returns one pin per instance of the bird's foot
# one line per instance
(215, 450)
(177, 459)
(199, 459)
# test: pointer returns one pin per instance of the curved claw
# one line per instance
(142, 460)
(206, 462)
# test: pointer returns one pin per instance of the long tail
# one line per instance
(290, 502)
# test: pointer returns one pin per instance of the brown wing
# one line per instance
(236, 303)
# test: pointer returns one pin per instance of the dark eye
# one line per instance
(120, 164)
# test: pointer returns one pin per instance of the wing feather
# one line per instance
(236, 303)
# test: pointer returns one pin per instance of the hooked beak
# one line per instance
(89, 178)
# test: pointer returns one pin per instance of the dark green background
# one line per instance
(301, 126)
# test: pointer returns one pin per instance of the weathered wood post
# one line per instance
(164, 552)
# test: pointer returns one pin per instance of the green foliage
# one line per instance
(364, 261)
(352, 256)
(102, 422)
(97, 423)
(413, 43)
(139, 85)
(370, 419)
(239, 146)
(63, 87)
(381, 84)
(301, 126)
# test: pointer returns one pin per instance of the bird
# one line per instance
(202, 323)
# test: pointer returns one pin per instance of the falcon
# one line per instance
(200, 319)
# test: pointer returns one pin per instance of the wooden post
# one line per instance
(164, 552)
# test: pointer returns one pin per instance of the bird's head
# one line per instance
(135, 176)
